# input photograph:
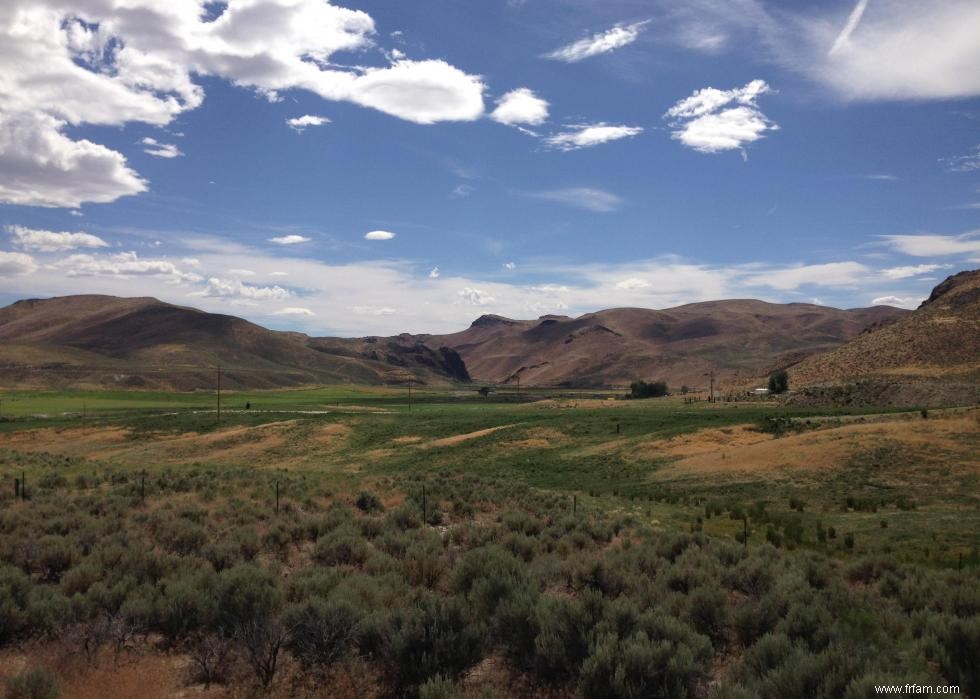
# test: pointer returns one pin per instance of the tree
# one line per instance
(779, 381)
(484, 391)
(652, 389)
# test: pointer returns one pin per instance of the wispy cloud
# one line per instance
(291, 239)
(935, 245)
(160, 150)
(852, 22)
(589, 135)
(52, 241)
(968, 162)
(603, 42)
(589, 198)
(299, 124)
(911, 271)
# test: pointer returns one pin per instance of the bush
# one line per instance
(321, 632)
(779, 381)
(434, 638)
(37, 683)
(369, 502)
(652, 389)
(638, 668)
(438, 687)
(342, 546)
(708, 612)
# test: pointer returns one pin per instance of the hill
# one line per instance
(933, 353)
(142, 342)
(734, 338)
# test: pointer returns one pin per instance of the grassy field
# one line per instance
(371, 486)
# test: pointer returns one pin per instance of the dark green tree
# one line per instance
(779, 381)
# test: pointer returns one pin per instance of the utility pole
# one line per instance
(711, 386)
(219, 393)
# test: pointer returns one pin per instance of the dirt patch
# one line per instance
(539, 438)
(407, 439)
(329, 435)
(704, 441)
(460, 438)
(831, 448)
(87, 441)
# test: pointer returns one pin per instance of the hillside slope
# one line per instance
(735, 338)
(935, 347)
(142, 342)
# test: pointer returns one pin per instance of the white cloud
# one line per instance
(125, 265)
(107, 63)
(13, 264)
(160, 150)
(510, 266)
(51, 241)
(588, 198)
(852, 21)
(603, 42)
(292, 239)
(373, 310)
(241, 273)
(712, 120)
(935, 245)
(881, 177)
(434, 273)
(793, 277)
(40, 166)
(294, 311)
(379, 235)
(474, 297)
(299, 124)
(633, 283)
(588, 135)
(237, 288)
(963, 163)
(520, 106)
(911, 271)
(462, 190)
(906, 302)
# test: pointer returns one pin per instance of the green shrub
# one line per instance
(342, 546)
(438, 687)
(708, 612)
(433, 637)
(321, 632)
(368, 502)
(37, 683)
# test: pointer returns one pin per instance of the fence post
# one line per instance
(23, 485)
(574, 504)
(17, 489)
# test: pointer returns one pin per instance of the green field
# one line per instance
(509, 524)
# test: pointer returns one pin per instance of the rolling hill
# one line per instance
(736, 339)
(101, 341)
(932, 355)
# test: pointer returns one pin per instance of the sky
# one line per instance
(375, 167)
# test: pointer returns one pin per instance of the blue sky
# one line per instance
(513, 157)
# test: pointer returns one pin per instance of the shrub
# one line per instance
(321, 632)
(638, 668)
(432, 637)
(708, 612)
(209, 654)
(779, 381)
(262, 639)
(652, 389)
(368, 502)
(37, 683)
(342, 546)
(438, 687)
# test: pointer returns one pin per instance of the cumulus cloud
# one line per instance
(520, 106)
(238, 289)
(511, 266)
(292, 239)
(137, 61)
(13, 264)
(712, 120)
(434, 273)
(589, 198)
(160, 150)
(40, 166)
(911, 271)
(379, 235)
(935, 245)
(588, 135)
(603, 42)
(299, 124)
(51, 241)
(474, 297)
(633, 283)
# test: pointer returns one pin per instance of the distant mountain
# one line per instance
(938, 343)
(101, 341)
(736, 339)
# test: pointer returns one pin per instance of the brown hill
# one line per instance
(736, 338)
(105, 340)
(939, 343)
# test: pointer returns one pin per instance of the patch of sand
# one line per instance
(460, 438)
(831, 448)
(328, 435)
(705, 441)
(407, 439)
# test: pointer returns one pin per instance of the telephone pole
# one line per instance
(219, 393)
(711, 386)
